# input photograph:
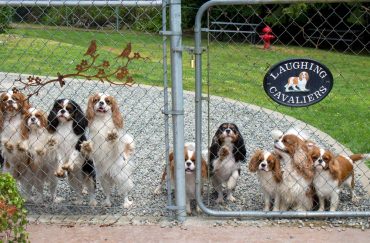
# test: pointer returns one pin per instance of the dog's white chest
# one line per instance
(324, 183)
(11, 128)
(66, 139)
(267, 182)
(190, 186)
(224, 168)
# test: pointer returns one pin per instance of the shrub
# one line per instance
(12, 213)
(6, 14)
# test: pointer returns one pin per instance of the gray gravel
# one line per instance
(142, 106)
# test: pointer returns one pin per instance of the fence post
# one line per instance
(177, 106)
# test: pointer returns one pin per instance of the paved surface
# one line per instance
(202, 233)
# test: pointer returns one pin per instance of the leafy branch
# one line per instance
(89, 69)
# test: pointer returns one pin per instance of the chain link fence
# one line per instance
(78, 62)
(56, 54)
(261, 173)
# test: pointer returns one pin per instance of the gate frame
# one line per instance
(198, 123)
(177, 111)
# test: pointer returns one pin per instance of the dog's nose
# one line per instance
(10, 102)
(263, 165)
(63, 111)
(101, 103)
(188, 164)
(228, 131)
(33, 119)
(320, 161)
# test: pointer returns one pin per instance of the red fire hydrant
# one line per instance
(267, 37)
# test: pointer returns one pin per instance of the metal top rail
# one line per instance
(49, 3)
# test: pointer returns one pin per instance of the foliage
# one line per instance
(6, 14)
(12, 213)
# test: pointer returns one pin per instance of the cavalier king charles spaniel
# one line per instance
(67, 123)
(295, 189)
(226, 153)
(190, 165)
(267, 166)
(109, 147)
(41, 149)
(12, 107)
(331, 173)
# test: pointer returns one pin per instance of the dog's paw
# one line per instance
(79, 201)
(231, 198)
(220, 200)
(40, 152)
(112, 136)
(86, 147)
(68, 167)
(60, 173)
(21, 147)
(51, 143)
(93, 202)
(9, 147)
(107, 203)
(158, 190)
(127, 204)
(224, 152)
(57, 199)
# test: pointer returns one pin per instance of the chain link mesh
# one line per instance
(50, 43)
(237, 61)
(86, 50)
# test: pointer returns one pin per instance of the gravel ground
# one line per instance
(142, 106)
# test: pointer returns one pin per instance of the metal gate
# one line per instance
(229, 89)
(73, 50)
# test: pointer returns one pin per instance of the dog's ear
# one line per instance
(254, 162)
(204, 168)
(278, 175)
(1, 119)
(80, 121)
(53, 121)
(24, 129)
(239, 150)
(172, 165)
(90, 113)
(116, 114)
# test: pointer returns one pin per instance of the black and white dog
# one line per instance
(67, 123)
(225, 155)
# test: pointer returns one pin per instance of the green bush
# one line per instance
(12, 212)
(6, 14)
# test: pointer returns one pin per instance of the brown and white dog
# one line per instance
(190, 165)
(295, 189)
(13, 104)
(38, 143)
(109, 147)
(298, 83)
(269, 174)
(331, 173)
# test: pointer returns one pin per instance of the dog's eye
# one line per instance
(16, 98)
(315, 157)
(108, 101)
(95, 100)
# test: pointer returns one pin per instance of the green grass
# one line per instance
(236, 72)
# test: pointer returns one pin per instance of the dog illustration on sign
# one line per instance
(297, 83)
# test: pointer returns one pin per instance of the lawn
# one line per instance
(236, 72)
